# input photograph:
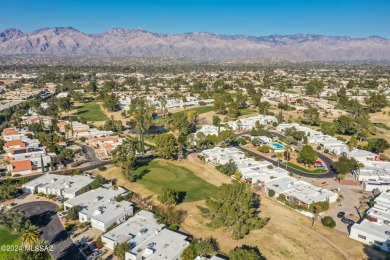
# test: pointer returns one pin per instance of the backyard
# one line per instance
(92, 112)
(302, 169)
(7, 238)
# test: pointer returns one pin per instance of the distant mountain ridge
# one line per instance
(67, 41)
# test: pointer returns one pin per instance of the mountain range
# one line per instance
(118, 42)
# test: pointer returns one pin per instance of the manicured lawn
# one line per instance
(7, 238)
(247, 111)
(92, 112)
(201, 110)
(316, 171)
(164, 174)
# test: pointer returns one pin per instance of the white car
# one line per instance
(62, 214)
(95, 254)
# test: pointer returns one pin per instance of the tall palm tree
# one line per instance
(30, 235)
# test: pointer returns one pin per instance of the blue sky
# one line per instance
(358, 18)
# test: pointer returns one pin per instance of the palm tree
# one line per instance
(279, 156)
(30, 235)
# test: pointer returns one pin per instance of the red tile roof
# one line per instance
(14, 143)
(18, 166)
(10, 131)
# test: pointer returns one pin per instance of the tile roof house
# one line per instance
(21, 167)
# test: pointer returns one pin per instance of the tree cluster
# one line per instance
(234, 206)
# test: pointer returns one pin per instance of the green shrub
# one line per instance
(264, 149)
(271, 193)
(69, 227)
(102, 168)
(328, 222)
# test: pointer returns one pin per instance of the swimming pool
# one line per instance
(277, 145)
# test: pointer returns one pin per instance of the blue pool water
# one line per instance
(277, 145)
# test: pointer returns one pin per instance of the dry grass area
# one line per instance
(282, 238)
(114, 172)
(288, 235)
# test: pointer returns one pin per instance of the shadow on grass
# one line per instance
(82, 112)
(142, 174)
(182, 196)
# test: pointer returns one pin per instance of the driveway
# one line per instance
(44, 215)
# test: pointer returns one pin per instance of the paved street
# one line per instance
(44, 215)
(327, 161)
(89, 152)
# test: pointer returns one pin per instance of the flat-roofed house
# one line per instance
(133, 231)
(58, 185)
(21, 167)
(375, 228)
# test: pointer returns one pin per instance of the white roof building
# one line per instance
(109, 213)
(363, 155)
(250, 122)
(221, 156)
(210, 130)
(259, 171)
(375, 228)
(59, 185)
(62, 95)
(134, 231)
(165, 244)
(100, 208)
(302, 191)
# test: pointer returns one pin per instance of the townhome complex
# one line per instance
(104, 141)
(249, 122)
(210, 130)
(148, 239)
(220, 156)
(273, 178)
(25, 155)
(299, 192)
(100, 207)
(258, 171)
(58, 185)
(375, 228)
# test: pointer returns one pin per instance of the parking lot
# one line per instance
(352, 196)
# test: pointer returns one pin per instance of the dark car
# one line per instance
(347, 221)
(340, 214)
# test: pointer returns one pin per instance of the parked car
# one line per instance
(347, 221)
(95, 254)
(61, 200)
(341, 214)
(62, 214)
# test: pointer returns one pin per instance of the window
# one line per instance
(387, 232)
(386, 222)
(361, 236)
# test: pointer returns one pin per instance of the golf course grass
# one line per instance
(92, 112)
(200, 110)
(7, 238)
(160, 175)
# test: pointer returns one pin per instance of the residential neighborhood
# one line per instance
(196, 130)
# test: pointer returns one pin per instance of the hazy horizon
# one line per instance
(256, 18)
